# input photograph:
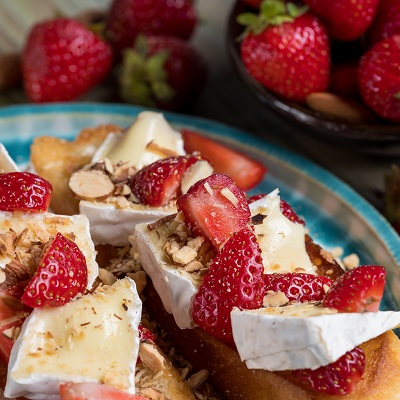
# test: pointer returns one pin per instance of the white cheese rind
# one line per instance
(276, 342)
(112, 225)
(175, 287)
(92, 339)
(7, 164)
(282, 241)
(39, 226)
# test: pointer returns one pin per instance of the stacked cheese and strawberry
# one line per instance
(240, 269)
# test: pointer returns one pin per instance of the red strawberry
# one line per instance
(386, 22)
(127, 18)
(357, 290)
(61, 275)
(62, 60)
(285, 207)
(162, 71)
(298, 286)
(94, 391)
(233, 280)
(159, 183)
(245, 171)
(12, 315)
(145, 334)
(24, 191)
(344, 80)
(379, 78)
(345, 19)
(338, 378)
(290, 58)
(215, 208)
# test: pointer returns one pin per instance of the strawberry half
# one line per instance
(246, 172)
(159, 183)
(233, 280)
(338, 378)
(298, 286)
(357, 290)
(61, 275)
(24, 191)
(215, 208)
(94, 391)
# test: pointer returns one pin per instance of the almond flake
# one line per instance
(227, 193)
(208, 188)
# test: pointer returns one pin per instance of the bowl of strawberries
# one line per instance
(330, 68)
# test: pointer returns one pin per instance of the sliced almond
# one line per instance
(91, 185)
(339, 107)
(151, 357)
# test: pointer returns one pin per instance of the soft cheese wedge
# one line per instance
(7, 164)
(34, 228)
(303, 335)
(92, 339)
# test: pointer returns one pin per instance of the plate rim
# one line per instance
(315, 172)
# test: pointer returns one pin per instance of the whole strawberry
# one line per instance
(286, 49)
(345, 19)
(379, 78)
(127, 18)
(62, 60)
(386, 22)
(233, 280)
(162, 71)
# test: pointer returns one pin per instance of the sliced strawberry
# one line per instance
(159, 183)
(298, 286)
(94, 391)
(246, 172)
(233, 280)
(145, 334)
(12, 315)
(285, 207)
(215, 208)
(338, 378)
(357, 290)
(24, 191)
(61, 275)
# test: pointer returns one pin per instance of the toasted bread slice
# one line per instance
(235, 381)
(56, 159)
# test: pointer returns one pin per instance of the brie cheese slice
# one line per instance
(7, 164)
(92, 339)
(40, 227)
(303, 335)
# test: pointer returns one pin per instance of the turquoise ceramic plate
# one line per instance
(336, 216)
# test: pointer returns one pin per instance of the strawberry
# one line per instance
(357, 290)
(159, 183)
(12, 315)
(215, 208)
(379, 78)
(127, 18)
(162, 71)
(285, 208)
(234, 279)
(246, 172)
(386, 22)
(345, 20)
(145, 334)
(298, 286)
(62, 60)
(344, 80)
(338, 378)
(61, 275)
(286, 50)
(24, 191)
(94, 391)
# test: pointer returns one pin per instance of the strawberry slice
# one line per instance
(159, 183)
(12, 315)
(357, 290)
(233, 280)
(246, 172)
(145, 334)
(61, 275)
(215, 208)
(298, 287)
(338, 378)
(285, 207)
(24, 191)
(94, 391)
